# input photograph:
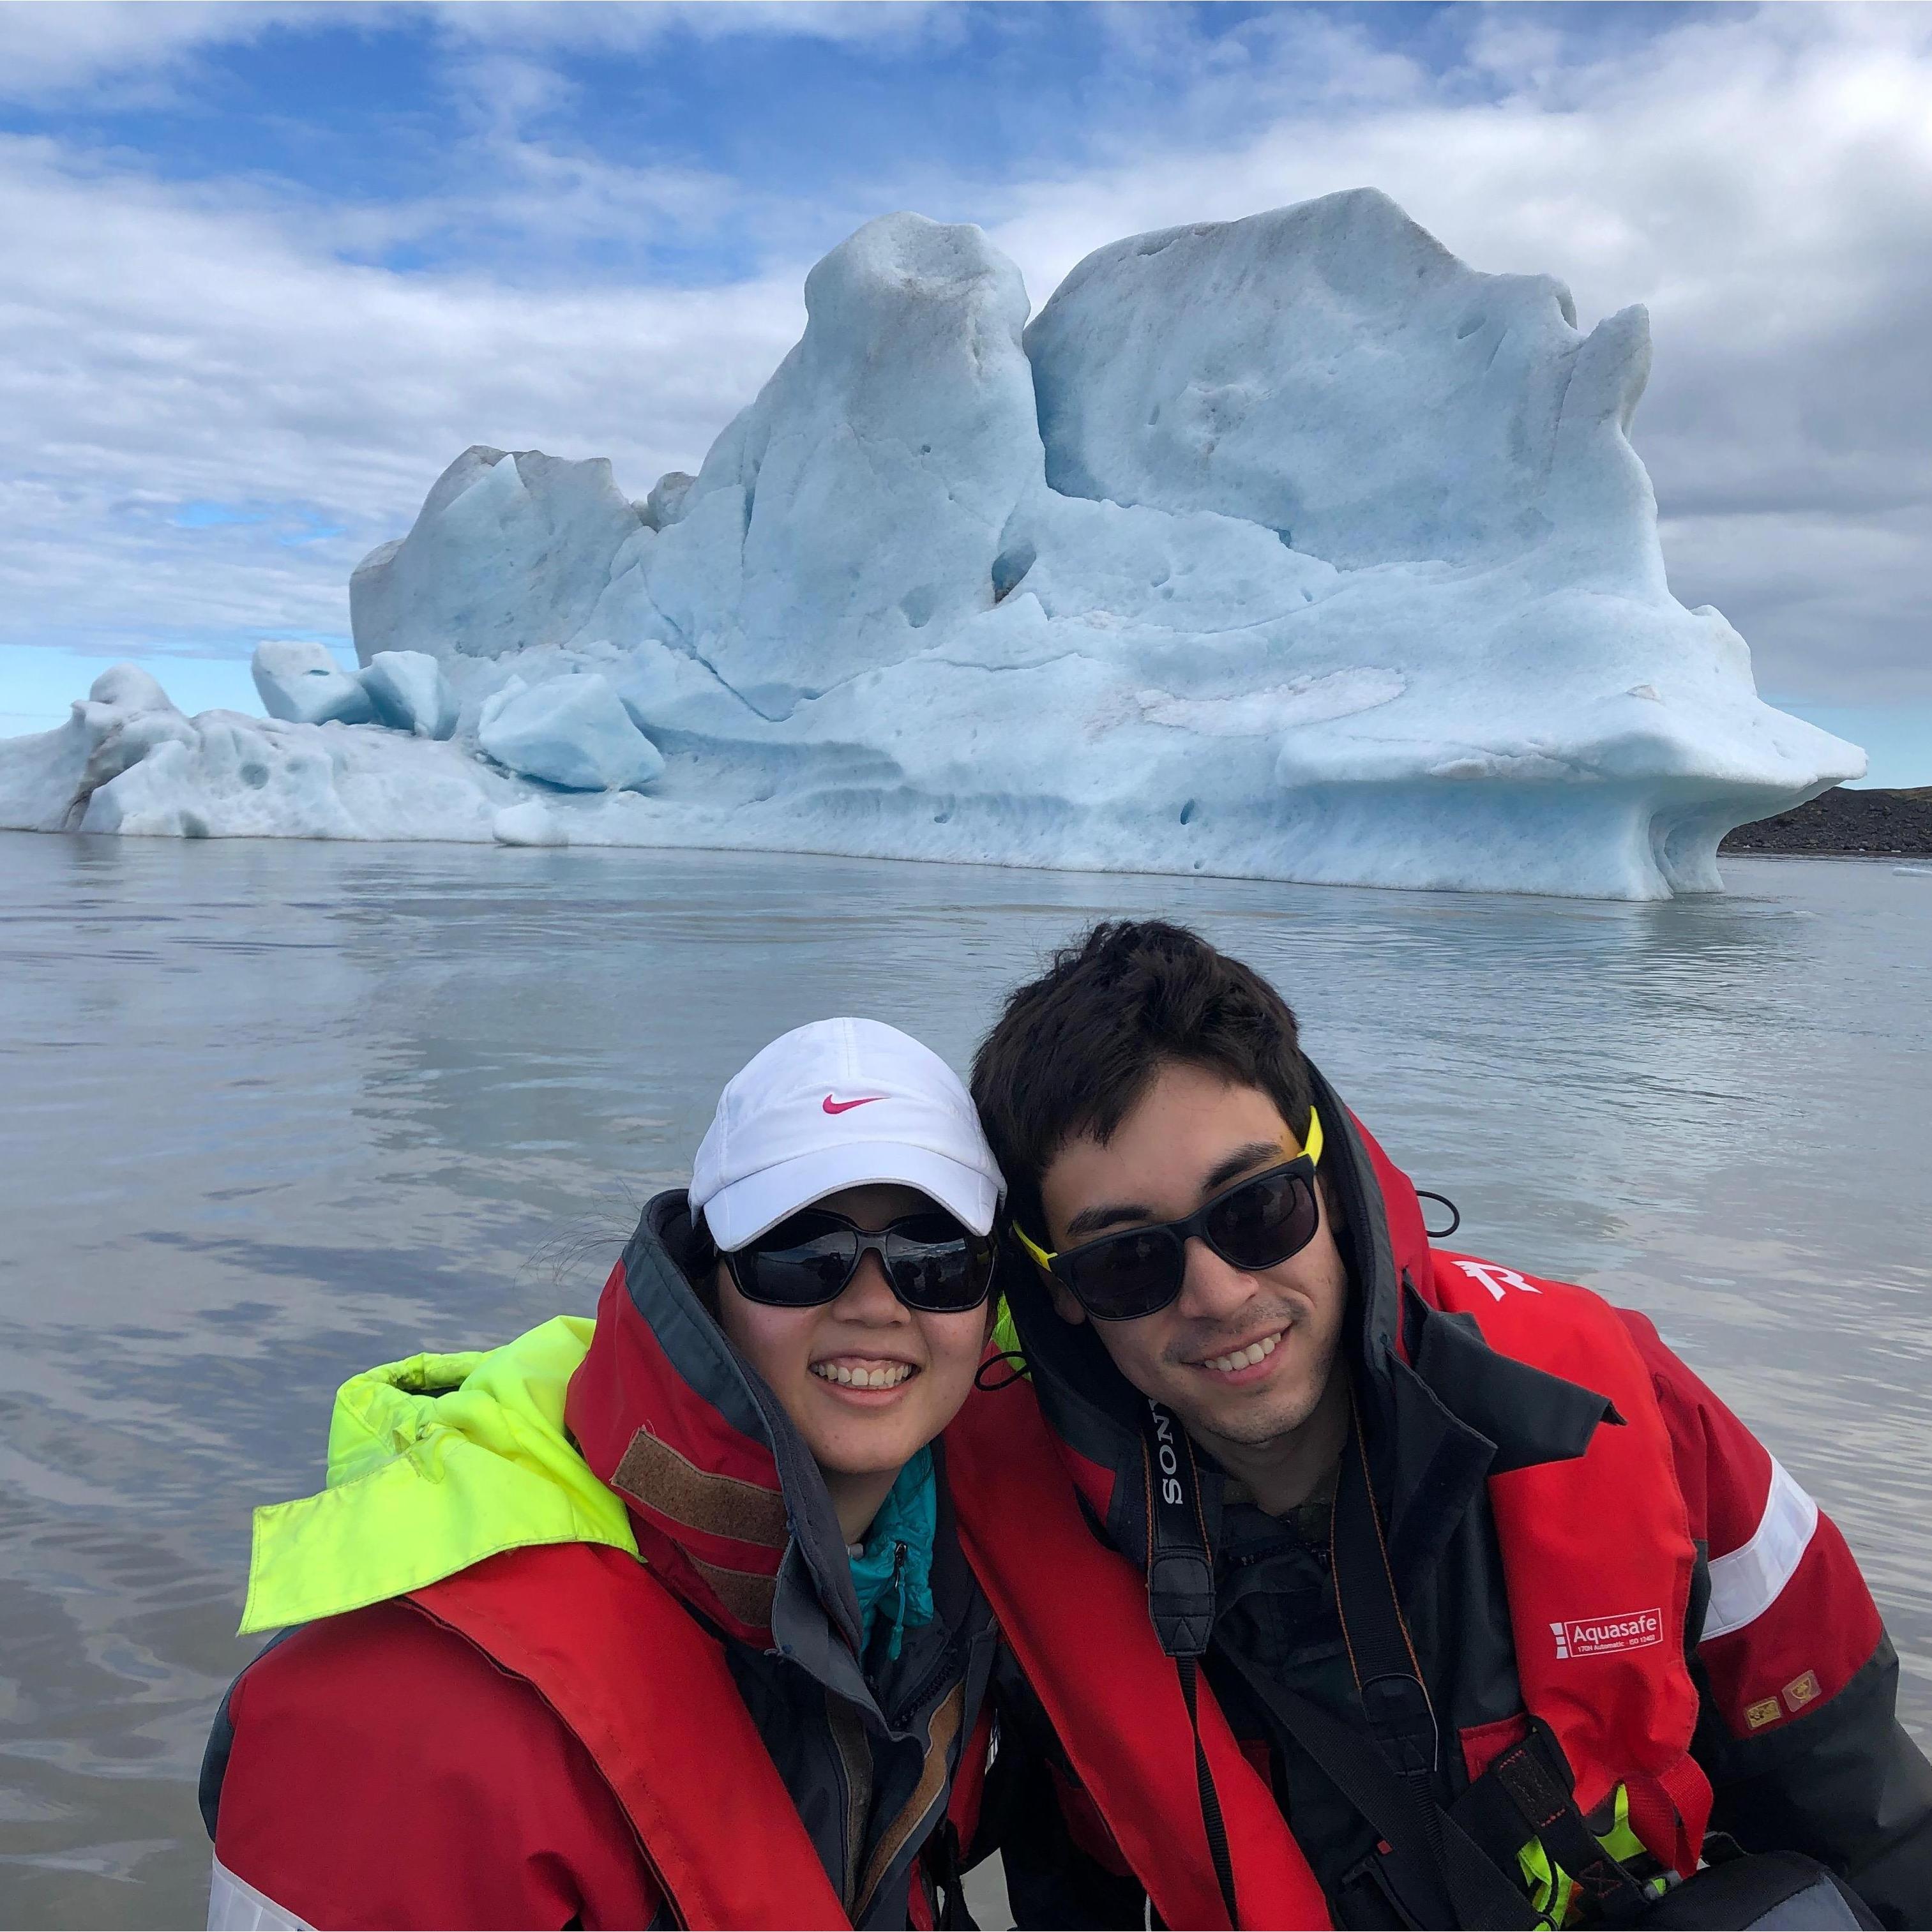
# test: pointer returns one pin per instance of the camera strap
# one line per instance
(1181, 1602)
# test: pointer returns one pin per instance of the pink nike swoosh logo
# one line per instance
(832, 1106)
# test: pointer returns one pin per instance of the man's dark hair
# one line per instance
(1076, 1049)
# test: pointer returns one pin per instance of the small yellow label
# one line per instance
(1765, 1711)
(1802, 1691)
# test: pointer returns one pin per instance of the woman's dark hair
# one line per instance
(697, 1254)
(1076, 1049)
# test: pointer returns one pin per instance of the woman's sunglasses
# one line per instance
(933, 1264)
(1253, 1224)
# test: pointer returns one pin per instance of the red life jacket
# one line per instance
(642, 1687)
(613, 1645)
(1596, 1555)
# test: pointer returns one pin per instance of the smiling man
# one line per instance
(1431, 1593)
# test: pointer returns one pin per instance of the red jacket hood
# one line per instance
(668, 1414)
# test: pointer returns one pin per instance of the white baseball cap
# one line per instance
(840, 1103)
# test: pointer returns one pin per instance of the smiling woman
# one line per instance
(784, 1698)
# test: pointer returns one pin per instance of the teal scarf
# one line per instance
(892, 1572)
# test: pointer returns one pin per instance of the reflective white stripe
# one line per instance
(234, 1905)
(1746, 1583)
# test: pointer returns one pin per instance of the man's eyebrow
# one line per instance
(1256, 1155)
(1104, 1215)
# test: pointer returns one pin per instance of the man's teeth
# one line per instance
(1246, 1358)
(888, 1377)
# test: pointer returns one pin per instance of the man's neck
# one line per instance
(1285, 1472)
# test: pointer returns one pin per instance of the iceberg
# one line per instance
(1289, 547)
(569, 731)
(303, 683)
(529, 824)
(410, 693)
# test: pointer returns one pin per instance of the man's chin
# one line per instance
(1251, 1421)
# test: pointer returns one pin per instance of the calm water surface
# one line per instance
(274, 1111)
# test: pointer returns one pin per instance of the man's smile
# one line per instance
(1248, 1355)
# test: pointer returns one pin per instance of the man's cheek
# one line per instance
(1132, 1354)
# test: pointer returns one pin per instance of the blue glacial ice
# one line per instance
(410, 693)
(1290, 548)
(573, 731)
(303, 683)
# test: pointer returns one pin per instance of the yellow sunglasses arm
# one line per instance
(1313, 1148)
(1039, 1254)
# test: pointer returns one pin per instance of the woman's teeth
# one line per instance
(1246, 1358)
(889, 1375)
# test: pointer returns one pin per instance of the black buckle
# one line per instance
(1402, 1722)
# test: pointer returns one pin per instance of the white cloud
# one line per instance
(125, 50)
(160, 349)
(629, 26)
(1763, 180)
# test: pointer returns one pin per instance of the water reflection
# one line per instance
(277, 1111)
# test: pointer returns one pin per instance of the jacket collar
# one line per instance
(1441, 1411)
(434, 1464)
(727, 1503)
(725, 1500)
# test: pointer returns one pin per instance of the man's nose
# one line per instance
(1211, 1289)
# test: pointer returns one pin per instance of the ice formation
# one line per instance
(531, 822)
(1290, 548)
(410, 693)
(303, 683)
(569, 731)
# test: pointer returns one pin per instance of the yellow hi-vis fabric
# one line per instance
(434, 1463)
(1552, 1892)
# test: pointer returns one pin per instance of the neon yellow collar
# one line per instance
(435, 1463)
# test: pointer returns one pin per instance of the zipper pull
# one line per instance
(900, 1553)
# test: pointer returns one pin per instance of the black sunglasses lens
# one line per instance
(806, 1262)
(799, 1263)
(1272, 1217)
(1121, 1277)
(1126, 1276)
(936, 1266)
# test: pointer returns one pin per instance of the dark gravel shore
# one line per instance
(1845, 824)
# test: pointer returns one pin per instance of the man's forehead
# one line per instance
(1186, 1126)
(1199, 1101)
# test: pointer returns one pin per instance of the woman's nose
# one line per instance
(869, 1295)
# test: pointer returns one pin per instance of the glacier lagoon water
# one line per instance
(274, 1110)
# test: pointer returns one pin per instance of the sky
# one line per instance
(264, 271)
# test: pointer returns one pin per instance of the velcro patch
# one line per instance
(654, 1474)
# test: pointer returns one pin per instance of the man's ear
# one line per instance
(1066, 1304)
(1331, 1208)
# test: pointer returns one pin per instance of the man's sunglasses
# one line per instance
(934, 1265)
(1253, 1224)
